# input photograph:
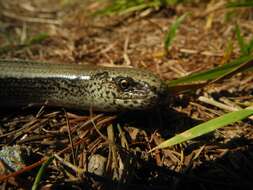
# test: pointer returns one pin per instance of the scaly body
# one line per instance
(78, 86)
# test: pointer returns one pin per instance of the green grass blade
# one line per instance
(213, 73)
(41, 172)
(125, 6)
(34, 40)
(139, 7)
(207, 127)
(171, 34)
(250, 47)
(241, 41)
(239, 4)
(170, 2)
(37, 39)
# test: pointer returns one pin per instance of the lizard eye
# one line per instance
(124, 84)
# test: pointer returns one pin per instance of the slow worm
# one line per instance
(78, 86)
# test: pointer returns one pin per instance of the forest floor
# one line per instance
(67, 32)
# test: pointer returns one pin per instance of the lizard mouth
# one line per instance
(137, 98)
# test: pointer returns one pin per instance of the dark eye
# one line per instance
(124, 84)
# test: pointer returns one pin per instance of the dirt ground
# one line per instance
(220, 160)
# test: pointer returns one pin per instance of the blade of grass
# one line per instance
(37, 38)
(41, 172)
(240, 40)
(214, 73)
(126, 6)
(140, 7)
(250, 46)
(34, 40)
(246, 48)
(243, 67)
(171, 34)
(184, 88)
(206, 127)
(239, 4)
